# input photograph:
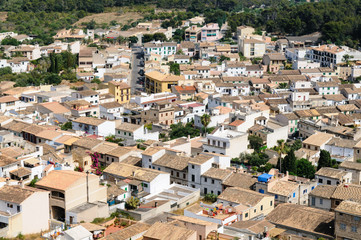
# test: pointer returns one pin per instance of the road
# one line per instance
(134, 75)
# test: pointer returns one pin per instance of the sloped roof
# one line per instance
(55, 107)
(323, 191)
(62, 179)
(304, 218)
(16, 194)
(241, 196)
(130, 171)
(165, 231)
(173, 161)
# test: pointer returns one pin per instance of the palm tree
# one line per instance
(282, 85)
(205, 120)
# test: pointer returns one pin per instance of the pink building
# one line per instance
(210, 32)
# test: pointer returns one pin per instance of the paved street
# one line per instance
(136, 59)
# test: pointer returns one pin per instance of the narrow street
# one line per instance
(136, 60)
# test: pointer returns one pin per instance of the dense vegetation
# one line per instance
(338, 20)
(46, 71)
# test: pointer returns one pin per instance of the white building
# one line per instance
(152, 181)
(332, 176)
(226, 142)
(327, 88)
(233, 69)
(201, 163)
(150, 155)
(330, 55)
(320, 197)
(133, 132)
(163, 49)
(88, 95)
(94, 126)
(111, 110)
(305, 64)
(146, 101)
(251, 48)
(211, 180)
(9, 103)
(23, 210)
(340, 149)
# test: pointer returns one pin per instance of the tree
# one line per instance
(10, 41)
(224, 58)
(91, 24)
(282, 85)
(66, 126)
(5, 70)
(159, 37)
(174, 68)
(255, 142)
(296, 145)
(210, 197)
(133, 39)
(132, 203)
(205, 120)
(305, 169)
(346, 58)
(290, 163)
(324, 160)
(179, 130)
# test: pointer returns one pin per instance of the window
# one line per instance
(184, 175)
(192, 166)
(271, 203)
(321, 201)
(212, 181)
(205, 179)
(294, 195)
(246, 215)
(320, 180)
(343, 226)
(313, 201)
(356, 219)
(261, 207)
(145, 185)
(353, 229)
(261, 190)
(337, 203)
(328, 182)
(193, 178)
(276, 196)
(205, 191)
(177, 174)
(255, 210)
(10, 205)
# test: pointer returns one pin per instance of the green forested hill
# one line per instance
(338, 20)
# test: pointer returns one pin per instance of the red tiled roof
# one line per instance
(183, 88)
(236, 123)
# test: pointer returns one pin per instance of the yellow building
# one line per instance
(120, 90)
(156, 82)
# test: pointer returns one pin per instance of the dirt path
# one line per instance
(110, 16)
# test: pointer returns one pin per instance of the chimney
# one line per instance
(155, 204)
(133, 173)
(188, 138)
(21, 183)
(7, 181)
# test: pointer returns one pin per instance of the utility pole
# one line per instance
(87, 186)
